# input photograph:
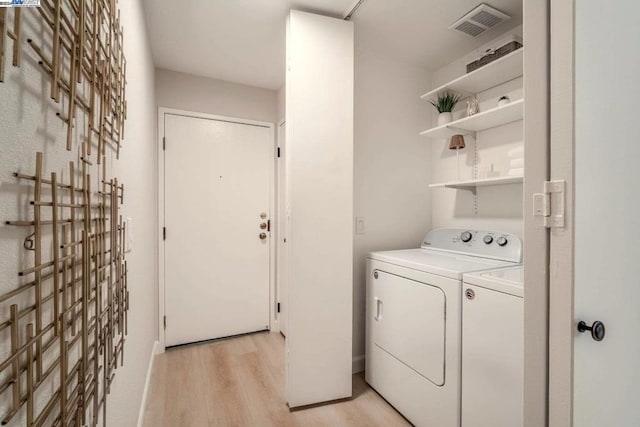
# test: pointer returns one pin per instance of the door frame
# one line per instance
(162, 112)
(280, 193)
(536, 235)
(561, 301)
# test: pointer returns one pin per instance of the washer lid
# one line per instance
(447, 264)
(507, 280)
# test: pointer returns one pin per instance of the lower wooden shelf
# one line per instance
(474, 183)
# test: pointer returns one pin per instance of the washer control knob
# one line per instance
(488, 239)
(502, 241)
(466, 236)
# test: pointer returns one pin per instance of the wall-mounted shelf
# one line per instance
(498, 116)
(500, 71)
(471, 185)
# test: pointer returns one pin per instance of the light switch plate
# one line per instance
(360, 225)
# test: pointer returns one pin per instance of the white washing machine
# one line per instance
(493, 348)
(414, 306)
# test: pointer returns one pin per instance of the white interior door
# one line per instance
(217, 195)
(607, 219)
(319, 113)
(281, 231)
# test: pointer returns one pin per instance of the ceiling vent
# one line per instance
(479, 20)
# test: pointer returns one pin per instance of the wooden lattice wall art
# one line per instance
(65, 321)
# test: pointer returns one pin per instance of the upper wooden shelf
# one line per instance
(498, 116)
(500, 71)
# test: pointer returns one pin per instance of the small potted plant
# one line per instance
(445, 103)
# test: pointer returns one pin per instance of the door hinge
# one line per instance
(278, 151)
(278, 308)
(164, 143)
(164, 233)
(550, 204)
(164, 320)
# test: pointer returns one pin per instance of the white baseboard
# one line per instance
(357, 364)
(155, 349)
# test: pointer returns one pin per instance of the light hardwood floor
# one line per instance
(240, 382)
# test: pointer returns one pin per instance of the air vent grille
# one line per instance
(469, 28)
(486, 19)
(480, 19)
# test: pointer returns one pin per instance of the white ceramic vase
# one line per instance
(444, 118)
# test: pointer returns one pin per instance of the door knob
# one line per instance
(597, 329)
(263, 236)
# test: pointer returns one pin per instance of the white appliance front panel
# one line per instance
(492, 358)
(419, 399)
(410, 323)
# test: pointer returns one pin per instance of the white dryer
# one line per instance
(414, 300)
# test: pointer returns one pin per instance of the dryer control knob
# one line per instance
(502, 241)
(466, 236)
(488, 239)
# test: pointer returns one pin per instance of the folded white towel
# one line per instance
(516, 163)
(516, 153)
(516, 172)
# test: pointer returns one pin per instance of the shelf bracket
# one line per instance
(464, 132)
(473, 189)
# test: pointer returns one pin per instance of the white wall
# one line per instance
(29, 124)
(137, 169)
(205, 95)
(281, 103)
(494, 208)
(392, 166)
(319, 188)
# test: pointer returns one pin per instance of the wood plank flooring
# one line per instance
(240, 382)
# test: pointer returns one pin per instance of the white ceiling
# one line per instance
(243, 41)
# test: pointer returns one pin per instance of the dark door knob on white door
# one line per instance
(597, 329)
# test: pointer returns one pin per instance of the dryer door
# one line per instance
(409, 323)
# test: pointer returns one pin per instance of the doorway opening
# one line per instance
(216, 205)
